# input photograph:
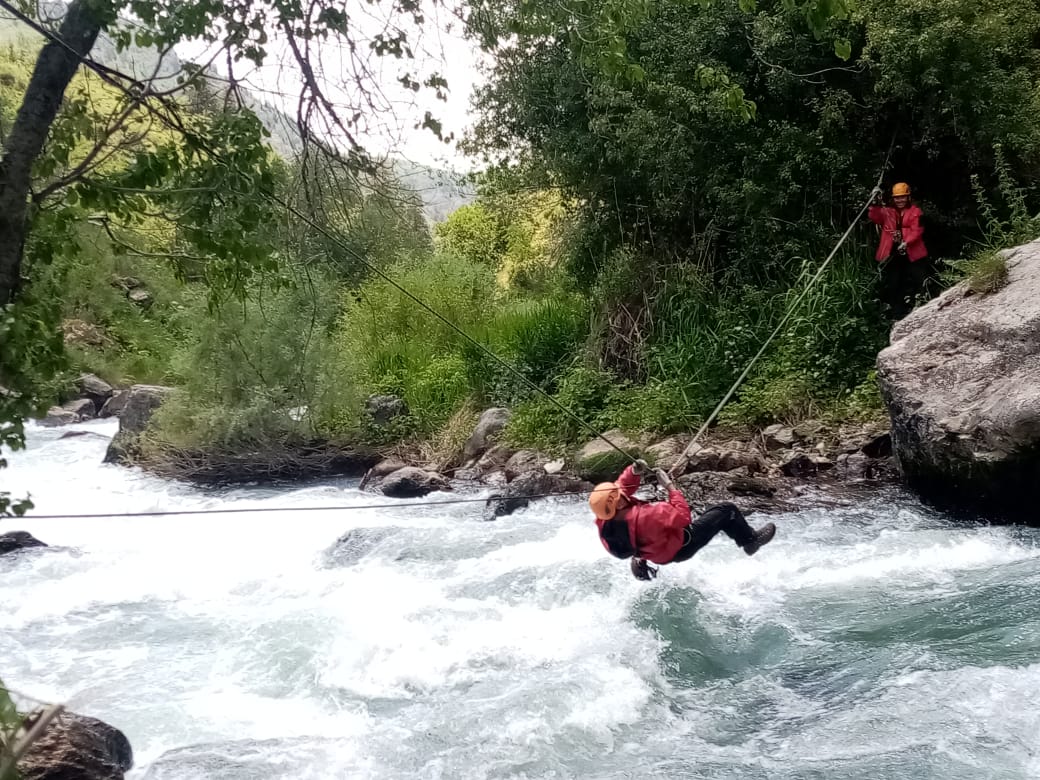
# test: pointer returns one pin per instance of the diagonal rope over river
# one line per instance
(874, 640)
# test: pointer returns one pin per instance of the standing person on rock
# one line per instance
(663, 532)
(906, 266)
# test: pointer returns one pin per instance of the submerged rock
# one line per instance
(77, 747)
(527, 487)
(57, 416)
(13, 541)
(355, 544)
(961, 380)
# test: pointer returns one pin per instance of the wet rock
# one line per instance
(780, 437)
(356, 544)
(13, 541)
(491, 423)
(114, 406)
(854, 466)
(77, 747)
(96, 389)
(412, 482)
(381, 409)
(798, 464)
(961, 381)
(751, 486)
(524, 461)
(731, 460)
(382, 469)
(57, 416)
(141, 403)
(878, 447)
(82, 408)
(522, 491)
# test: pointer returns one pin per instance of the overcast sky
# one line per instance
(439, 47)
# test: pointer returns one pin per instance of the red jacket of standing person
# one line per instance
(901, 228)
(650, 531)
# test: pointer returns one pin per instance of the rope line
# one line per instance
(333, 508)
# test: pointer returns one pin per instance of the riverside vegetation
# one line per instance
(644, 217)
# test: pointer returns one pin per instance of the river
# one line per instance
(873, 640)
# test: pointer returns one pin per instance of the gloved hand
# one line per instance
(640, 467)
(664, 480)
(876, 196)
(642, 570)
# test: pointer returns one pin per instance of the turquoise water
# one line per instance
(871, 640)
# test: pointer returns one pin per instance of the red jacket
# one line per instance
(655, 530)
(909, 221)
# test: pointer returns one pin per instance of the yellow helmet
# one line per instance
(902, 188)
(604, 500)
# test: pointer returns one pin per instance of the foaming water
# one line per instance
(871, 641)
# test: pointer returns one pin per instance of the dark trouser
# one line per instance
(902, 281)
(721, 517)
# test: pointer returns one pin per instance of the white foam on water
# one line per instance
(458, 648)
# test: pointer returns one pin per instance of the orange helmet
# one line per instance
(604, 500)
(902, 188)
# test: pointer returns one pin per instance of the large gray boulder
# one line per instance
(96, 389)
(141, 403)
(75, 746)
(491, 423)
(961, 380)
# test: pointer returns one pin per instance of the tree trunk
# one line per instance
(54, 69)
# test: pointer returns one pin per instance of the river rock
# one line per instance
(82, 408)
(666, 453)
(597, 461)
(961, 380)
(533, 486)
(57, 416)
(703, 459)
(798, 464)
(780, 437)
(77, 747)
(381, 409)
(412, 482)
(495, 459)
(13, 541)
(141, 403)
(524, 461)
(491, 423)
(114, 406)
(96, 389)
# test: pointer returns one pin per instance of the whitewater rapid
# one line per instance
(872, 640)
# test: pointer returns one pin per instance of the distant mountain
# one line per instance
(441, 191)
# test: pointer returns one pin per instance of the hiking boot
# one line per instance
(763, 536)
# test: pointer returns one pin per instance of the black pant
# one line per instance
(721, 517)
(902, 281)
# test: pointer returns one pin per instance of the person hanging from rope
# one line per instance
(663, 532)
(901, 250)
